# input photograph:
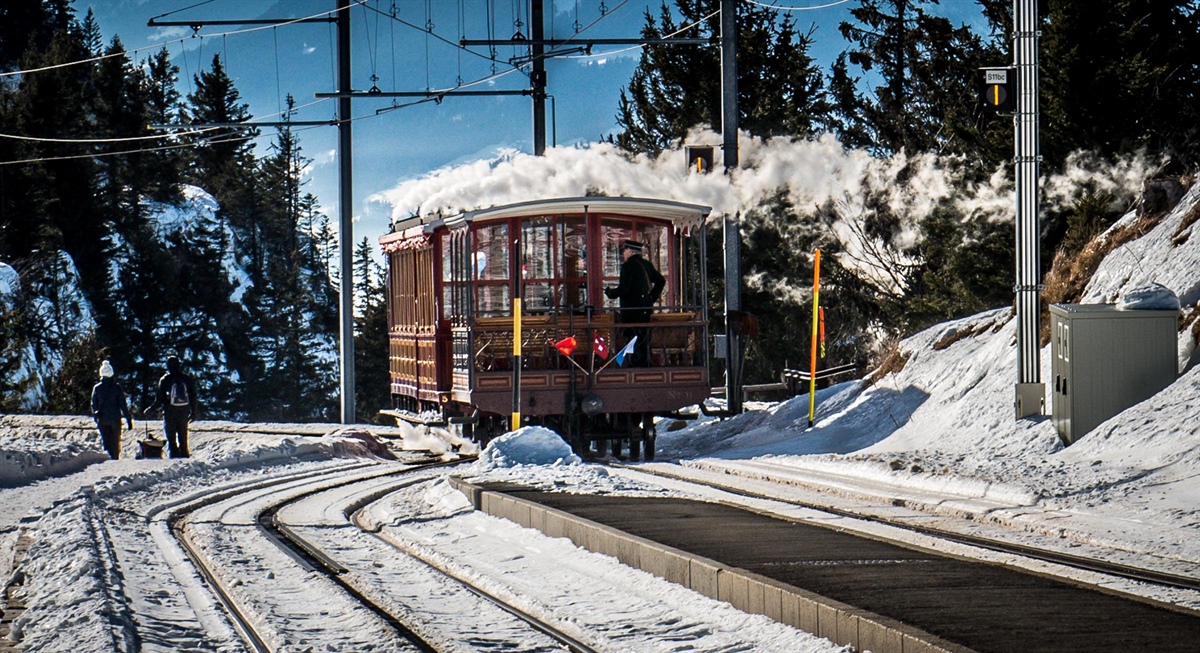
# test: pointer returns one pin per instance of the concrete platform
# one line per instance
(856, 591)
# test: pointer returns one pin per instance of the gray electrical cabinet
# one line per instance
(1105, 360)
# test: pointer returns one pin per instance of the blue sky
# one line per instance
(267, 63)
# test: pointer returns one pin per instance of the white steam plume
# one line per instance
(812, 172)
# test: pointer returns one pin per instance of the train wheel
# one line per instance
(648, 437)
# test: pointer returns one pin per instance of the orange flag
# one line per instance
(566, 346)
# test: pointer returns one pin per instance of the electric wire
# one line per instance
(372, 55)
(278, 90)
(610, 53)
(79, 62)
(812, 8)
(181, 9)
(128, 139)
(443, 39)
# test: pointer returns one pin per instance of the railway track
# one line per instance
(311, 523)
(1108, 568)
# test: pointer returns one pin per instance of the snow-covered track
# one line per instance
(272, 598)
(406, 590)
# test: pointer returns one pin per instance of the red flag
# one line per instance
(566, 346)
(599, 347)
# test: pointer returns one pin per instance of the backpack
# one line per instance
(178, 394)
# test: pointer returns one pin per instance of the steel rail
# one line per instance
(573, 644)
(1074, 561)
(176, 515)
(241, 623)
(293, 542)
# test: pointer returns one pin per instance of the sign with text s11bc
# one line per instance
(998, 94)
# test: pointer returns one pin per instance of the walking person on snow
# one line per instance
(176, 395)
(108, 406)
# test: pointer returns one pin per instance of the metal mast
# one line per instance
(537, 78)
(1030, 393)
(345, 211)
(733, 232)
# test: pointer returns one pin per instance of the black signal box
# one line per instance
(699, 157)
(998, 92)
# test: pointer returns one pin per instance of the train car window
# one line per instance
(612, 234)
(490, 265)
(537, 263)
(572, 238)
(448, 307)
(656, 236)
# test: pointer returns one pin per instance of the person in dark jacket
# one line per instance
(176, 395)
(638, 289)
(109, 405)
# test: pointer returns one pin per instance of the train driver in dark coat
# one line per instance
(638, 290)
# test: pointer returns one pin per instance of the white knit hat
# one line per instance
(106, 370)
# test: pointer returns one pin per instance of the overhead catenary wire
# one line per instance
(810, 8)
(610, 53)
(157, 46)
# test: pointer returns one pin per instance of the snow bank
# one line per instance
(1154, 296)
(34, 448)
(76, 584)
(33, 454)
(529, 445)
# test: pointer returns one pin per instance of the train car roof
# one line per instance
(677, 212)
(681, 214)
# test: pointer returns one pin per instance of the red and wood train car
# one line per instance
(452, 284)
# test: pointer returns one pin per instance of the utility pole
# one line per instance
(1030, 392)
(537, 79)
(733, 231)
(729, 87)
(345, 211)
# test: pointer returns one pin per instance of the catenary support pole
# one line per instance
(729, 87)
(733, 241)
(345, 213)
(733, 305)
(1030, 393)
(538, 77)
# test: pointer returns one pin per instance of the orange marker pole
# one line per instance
(812, 372)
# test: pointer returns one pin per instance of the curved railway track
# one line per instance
(336, 500)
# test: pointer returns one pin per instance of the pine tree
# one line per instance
(221, 160)
(292, 304)
(1121, 76)
(371, 382)
(674, 88)
(93, 39)
(162, 108)
(926, 97)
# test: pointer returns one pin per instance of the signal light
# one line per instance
(998, 93)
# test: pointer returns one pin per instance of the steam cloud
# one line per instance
(812, 172)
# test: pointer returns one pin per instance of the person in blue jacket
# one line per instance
(109, 405)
